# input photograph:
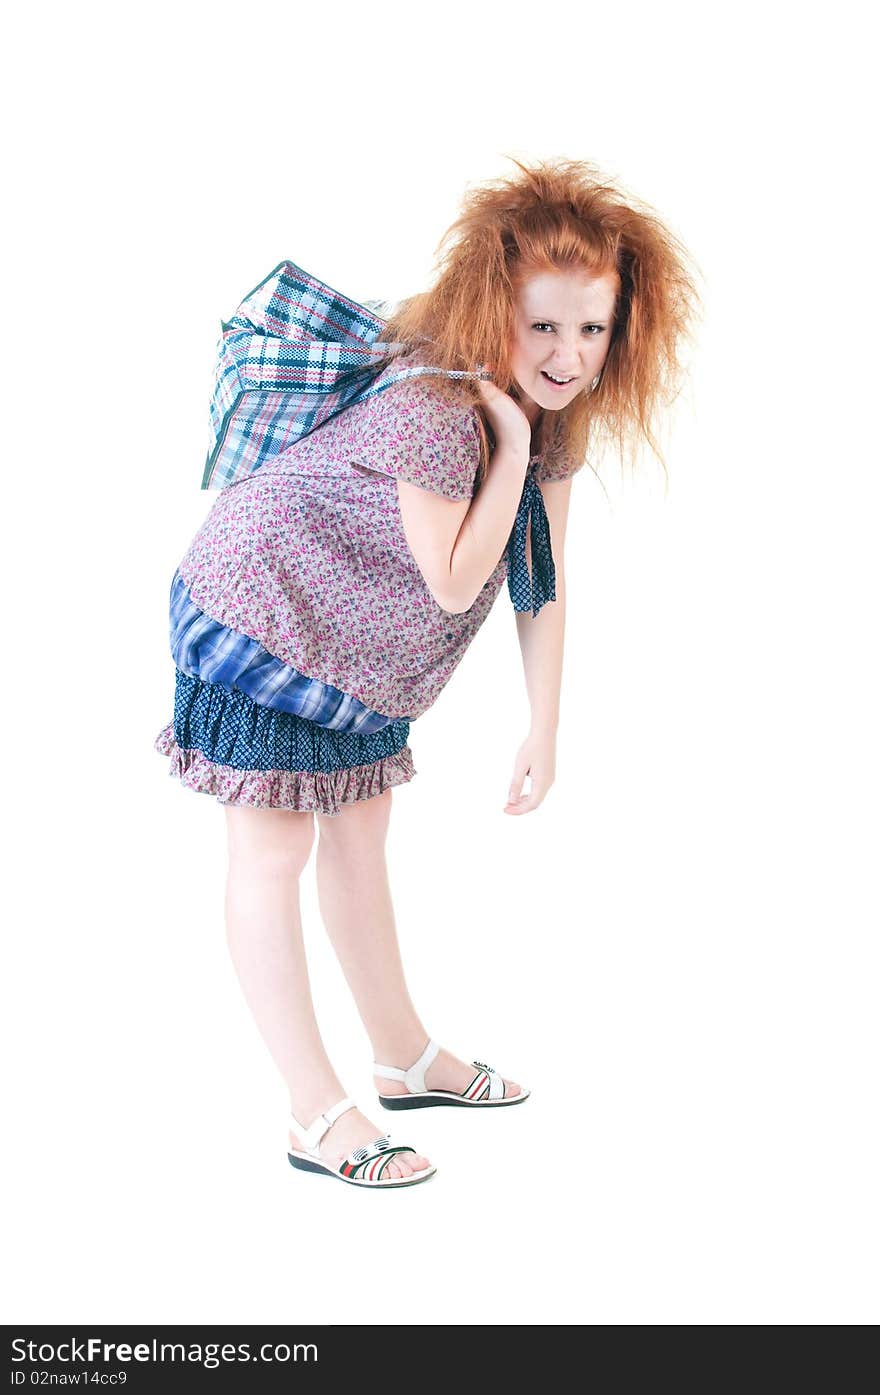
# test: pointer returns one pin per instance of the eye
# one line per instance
(593, 330)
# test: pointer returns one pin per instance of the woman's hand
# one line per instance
(536, 758)
(507, 419)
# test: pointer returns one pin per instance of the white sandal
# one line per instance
(486, 1090)
(363, 1167)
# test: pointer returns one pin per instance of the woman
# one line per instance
(328, 598)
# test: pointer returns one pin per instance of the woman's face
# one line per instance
(563, 327)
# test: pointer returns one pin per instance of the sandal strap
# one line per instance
(414, 1078)
(371, 1165)
(311, 1136)
(486, 1084)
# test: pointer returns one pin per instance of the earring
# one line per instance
(595, 383)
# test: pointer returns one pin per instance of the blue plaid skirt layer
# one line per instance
(204, 648)
(224, 743)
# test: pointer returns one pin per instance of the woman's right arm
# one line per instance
(458, 544)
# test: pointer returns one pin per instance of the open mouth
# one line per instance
(556, 382)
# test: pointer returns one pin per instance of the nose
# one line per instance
(569, 362)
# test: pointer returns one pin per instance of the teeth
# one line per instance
(558, 380)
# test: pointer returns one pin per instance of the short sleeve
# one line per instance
(410, 431)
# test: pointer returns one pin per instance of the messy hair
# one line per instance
(557, 215)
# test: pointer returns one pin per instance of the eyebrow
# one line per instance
(545, 320)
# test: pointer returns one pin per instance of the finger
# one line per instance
(516, 799)
(525, 805)
(516, 784)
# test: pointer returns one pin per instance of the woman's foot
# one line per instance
(354, 1130)
(446, 1072)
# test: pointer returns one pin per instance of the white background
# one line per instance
(677, 952)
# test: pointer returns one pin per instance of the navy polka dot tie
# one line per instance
(525, 592)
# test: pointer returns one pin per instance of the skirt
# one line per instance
(223, 743)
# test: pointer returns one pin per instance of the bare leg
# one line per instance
(268, 849)
(355, 900)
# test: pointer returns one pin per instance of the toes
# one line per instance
(404, 1167)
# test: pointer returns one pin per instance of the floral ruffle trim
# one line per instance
(322, 792)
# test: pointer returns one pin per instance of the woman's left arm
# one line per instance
(541, 640)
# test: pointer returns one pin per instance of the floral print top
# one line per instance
(309, 558)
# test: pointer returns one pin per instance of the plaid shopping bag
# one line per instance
(295, 353)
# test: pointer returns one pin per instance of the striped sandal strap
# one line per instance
(487, 1084)
(369, 1163)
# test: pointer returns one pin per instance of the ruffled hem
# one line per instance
(301, 790)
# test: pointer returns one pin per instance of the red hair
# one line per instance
(558, 215)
